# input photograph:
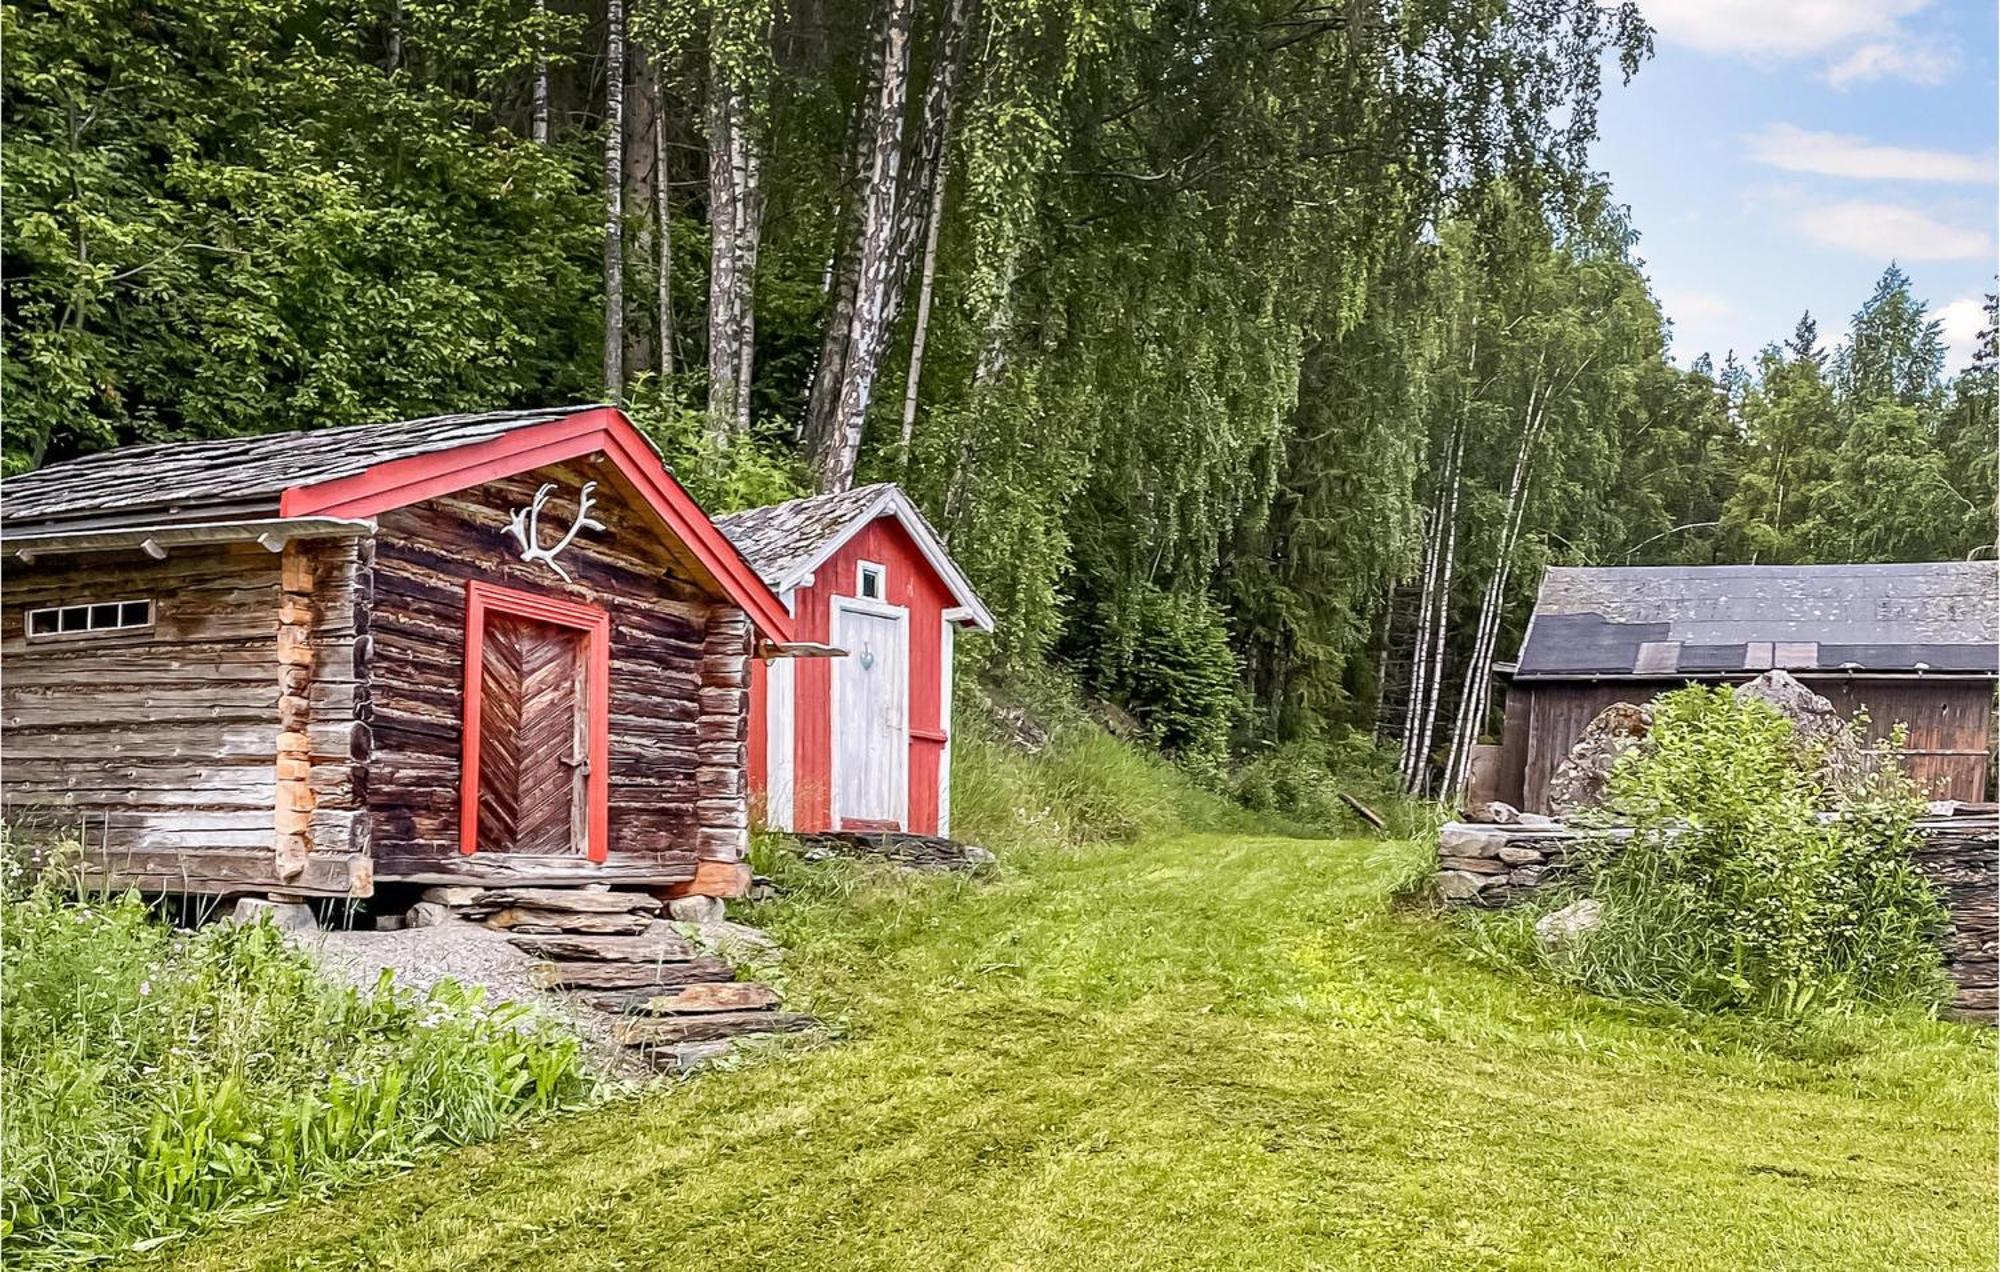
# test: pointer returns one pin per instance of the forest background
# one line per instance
(1254, 356)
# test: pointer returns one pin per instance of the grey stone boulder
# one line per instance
(1581, 779)
(1570, 924)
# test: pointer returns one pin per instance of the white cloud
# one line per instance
(1696, 306)
(1891, 231)
(1839, 155)
(1960, 323)
(1868, 39)
(1917, 61)
(1777, 28)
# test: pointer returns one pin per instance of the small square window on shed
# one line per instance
(871, 584)
(96, 618)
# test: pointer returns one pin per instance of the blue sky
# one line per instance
(1777, 154)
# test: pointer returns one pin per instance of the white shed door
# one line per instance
(871, 715)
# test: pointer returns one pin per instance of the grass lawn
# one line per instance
(1209, 1051)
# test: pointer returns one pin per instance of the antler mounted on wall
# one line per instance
(526, 525)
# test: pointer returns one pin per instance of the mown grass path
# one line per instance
(1215, 1052)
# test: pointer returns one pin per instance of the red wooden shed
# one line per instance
(861, 741)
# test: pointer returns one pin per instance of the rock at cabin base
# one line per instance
(697, 909)
(1560, 927)
(525, 919)
(567, 900)
(454, 896)
(286, 916)
(427, 914)
(1581, 778)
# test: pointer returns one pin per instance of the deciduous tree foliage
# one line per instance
(1268, 349)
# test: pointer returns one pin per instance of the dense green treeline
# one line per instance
(1255, 356)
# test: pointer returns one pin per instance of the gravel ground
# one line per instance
(471, 954)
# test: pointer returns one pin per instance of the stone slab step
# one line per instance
(700, 999)
(567, 900)
(651, 947)
(602, 975)
(642, 1031)
(536, 919)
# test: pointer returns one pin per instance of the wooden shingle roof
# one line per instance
(1694, 621)
(786, 542)
(231, 478)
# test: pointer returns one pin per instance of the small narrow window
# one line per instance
(95, 618)
(871, 581)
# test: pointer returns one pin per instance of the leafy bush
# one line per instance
(1303, 782)
(1734, 892)
(154, 1078)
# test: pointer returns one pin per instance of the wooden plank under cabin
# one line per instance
(676, 735)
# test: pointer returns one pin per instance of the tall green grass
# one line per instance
(155, 1080)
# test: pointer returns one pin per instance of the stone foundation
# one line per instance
(1496, 865)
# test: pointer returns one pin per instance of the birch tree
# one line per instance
(614, 200)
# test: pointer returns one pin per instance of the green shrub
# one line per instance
(154, 1079)
(1733, 892)
(1302, 782)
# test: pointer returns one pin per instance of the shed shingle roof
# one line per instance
(1678, 621)
(785, 542)
(233, 477)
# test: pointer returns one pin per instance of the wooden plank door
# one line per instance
(534, 729)
(871, 717)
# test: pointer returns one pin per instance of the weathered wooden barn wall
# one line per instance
(1950, 723)
(160, 747)
(679, 669)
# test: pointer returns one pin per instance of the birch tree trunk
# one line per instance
(538, 125)
(1476, 692)
(724, 356)
(614, 201)
(642, 176)
(664, 227)
(876, 260)
(395, 50)
(749, 239)
(923, 327)
(831, 368)
(1441, 627)
(1420, 646)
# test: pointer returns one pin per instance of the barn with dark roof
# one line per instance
(503, 648)
(1911, 644)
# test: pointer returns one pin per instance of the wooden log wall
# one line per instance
(673, 745)
(157, 748)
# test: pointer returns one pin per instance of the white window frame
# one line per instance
(89, 630)
(861, 571)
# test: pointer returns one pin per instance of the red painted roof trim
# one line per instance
(398, 483)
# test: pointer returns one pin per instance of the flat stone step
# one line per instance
(602, 975)
(566, 900)
(644, 1031)
(653, 947)
(703, 999)
(536, 919)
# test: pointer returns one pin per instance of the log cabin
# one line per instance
(1915, 645)
(860, 742)
(490, 648)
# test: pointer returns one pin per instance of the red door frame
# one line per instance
(594, 621)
